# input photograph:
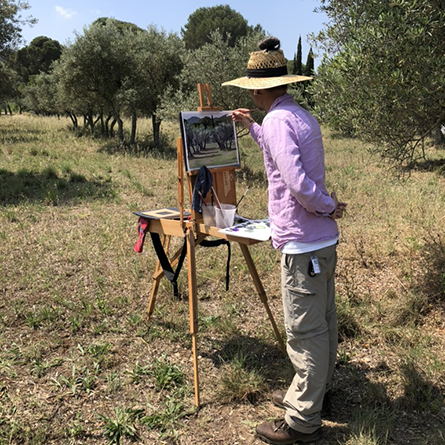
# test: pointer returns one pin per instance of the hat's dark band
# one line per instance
(267, 72)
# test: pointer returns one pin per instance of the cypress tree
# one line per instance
(297, 60)
(309, 69)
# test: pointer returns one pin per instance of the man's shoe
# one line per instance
(279, 395)
(278, 432)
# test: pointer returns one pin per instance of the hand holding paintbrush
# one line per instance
(243, 116)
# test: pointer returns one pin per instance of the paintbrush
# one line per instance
(202, 197)
(244, 194)
(216, 197)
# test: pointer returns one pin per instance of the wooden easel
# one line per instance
(195, 232)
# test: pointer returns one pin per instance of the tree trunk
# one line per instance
(113, 123)
(134, 119)
(120, 129)
(73, 118)
(108, 128)
(438, 135)
(102, 123)
(156, 129)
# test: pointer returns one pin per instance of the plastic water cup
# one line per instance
(209, 215)
(225, 216)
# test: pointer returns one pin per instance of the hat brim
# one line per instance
(263, 83)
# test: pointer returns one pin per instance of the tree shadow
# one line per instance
(430, 281)
(47, 187)
(142, 149)
(433, 165)
(12, 136)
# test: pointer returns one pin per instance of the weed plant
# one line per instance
(79, 361)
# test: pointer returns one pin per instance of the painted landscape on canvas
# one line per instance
(209, 138)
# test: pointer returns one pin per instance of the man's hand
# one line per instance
(340, 207)
(243, 116)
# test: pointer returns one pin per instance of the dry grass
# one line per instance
(80, 364)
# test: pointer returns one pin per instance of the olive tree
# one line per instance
(383, 73)
(158, 63)
(93, 69)
(121, 70)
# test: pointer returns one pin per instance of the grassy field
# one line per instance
(80, 364)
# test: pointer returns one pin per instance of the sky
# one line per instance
(60, 19)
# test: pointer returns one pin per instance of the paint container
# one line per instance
(209, 215)
(225, 216)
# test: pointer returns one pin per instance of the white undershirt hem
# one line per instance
(296, 247)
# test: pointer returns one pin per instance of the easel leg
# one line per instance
(261, 293)
(193, 307)
(158, 274)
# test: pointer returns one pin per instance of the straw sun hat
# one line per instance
(266, 68)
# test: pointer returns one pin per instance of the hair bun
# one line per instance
(269, 44)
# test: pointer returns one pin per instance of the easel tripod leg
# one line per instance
(193, 307)
(261, 293)
(158, 274)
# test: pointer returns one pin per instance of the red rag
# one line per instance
(142, 231)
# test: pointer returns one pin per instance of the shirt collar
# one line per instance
(279, 100)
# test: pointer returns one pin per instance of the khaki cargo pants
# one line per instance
(311, 328)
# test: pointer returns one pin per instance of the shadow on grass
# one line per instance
(48, 188)
(12, 136)
(436, 165)
(142, 149)
(360, 397)
(431, 281)
(257, 355)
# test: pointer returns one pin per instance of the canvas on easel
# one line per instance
(222, 142)
(209, 138)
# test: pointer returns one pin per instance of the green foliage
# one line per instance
(200, 25)
(382, 77)
(238, 383)
(41, 94)
(167, 375)
(37, 57)
(11, 23)
(167, 418)
(309, 67)
(213, 63)
(117, 70)
(8, 82)
(298, 68)
(122, 424)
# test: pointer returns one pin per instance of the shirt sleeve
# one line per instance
(255, 132)
(282, 143)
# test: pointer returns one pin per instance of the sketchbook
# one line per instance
(167, 213)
